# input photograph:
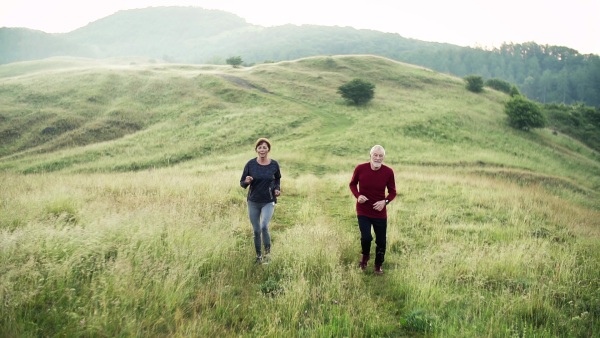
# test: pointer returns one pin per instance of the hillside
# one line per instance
(103, 115)
(548, 74)
(121, 204)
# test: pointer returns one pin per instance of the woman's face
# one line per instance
(262, 150)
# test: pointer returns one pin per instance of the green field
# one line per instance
(121, 213)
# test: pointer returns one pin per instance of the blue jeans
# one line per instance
(380, 229)
(260, 215)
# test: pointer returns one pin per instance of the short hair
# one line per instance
(377, 147)
(261, 141)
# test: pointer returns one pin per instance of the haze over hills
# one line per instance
(196, 35)
(199, 36)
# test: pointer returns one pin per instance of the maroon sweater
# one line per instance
(372, 184)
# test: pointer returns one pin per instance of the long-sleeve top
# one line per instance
(372, 184)
(265, 180)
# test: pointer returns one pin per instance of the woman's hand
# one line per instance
(277, 192)
(248, 179)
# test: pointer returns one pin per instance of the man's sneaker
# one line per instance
(363, 262)
(378, 270)
(258, 259)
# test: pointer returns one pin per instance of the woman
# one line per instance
(368, 184)
(263, 176)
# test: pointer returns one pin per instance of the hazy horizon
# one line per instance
(463, 22)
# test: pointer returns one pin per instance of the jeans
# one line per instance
(380, 229)
(260, 215)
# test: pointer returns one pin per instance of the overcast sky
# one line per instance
(574, 23)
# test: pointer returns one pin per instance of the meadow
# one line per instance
(121, 212)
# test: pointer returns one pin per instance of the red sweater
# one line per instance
(372, 184)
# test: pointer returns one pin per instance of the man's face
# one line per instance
(377, 159)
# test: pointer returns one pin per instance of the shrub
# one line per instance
(578, 121)
(514, 91)
(474, 83)
(499, 84)
(235, 61)
(357, 91)
(524, 114)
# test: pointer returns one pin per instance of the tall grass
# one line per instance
(169, 253)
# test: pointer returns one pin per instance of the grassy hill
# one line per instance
(122, 212)
(193, 35)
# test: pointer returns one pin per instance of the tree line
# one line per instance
(577, 120)
(547, 74)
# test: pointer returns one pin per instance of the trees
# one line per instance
(235, 61)
(357, 91)
(543, 73)
(524, 114)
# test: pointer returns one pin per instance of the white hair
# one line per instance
(377, 147)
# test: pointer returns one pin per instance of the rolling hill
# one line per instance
(548, 74)
(81, 115)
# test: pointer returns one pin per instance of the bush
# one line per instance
(357, 91)
(514, 91)
(474, 83)
(524, 114)
(235, 61)
(578, 121)
(499, 85)
(591, 114)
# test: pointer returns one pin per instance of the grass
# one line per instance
(163, 253)
(145, 233)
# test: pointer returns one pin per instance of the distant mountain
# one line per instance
(199, 36)
(158, 32)
(196, 35)
(22, 44)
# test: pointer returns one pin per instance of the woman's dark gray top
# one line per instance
(266, 179)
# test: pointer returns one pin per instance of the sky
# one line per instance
(475, 23)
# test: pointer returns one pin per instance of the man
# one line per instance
(368, 184)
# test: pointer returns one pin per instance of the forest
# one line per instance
(547, 74)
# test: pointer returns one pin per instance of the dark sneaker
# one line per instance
(378, 270)
(258, 259)
(363, 262)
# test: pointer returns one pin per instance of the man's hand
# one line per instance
(379, 205)
(362, 199)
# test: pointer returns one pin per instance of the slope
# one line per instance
(133, 114)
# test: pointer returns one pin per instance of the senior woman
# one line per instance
(262, 175)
